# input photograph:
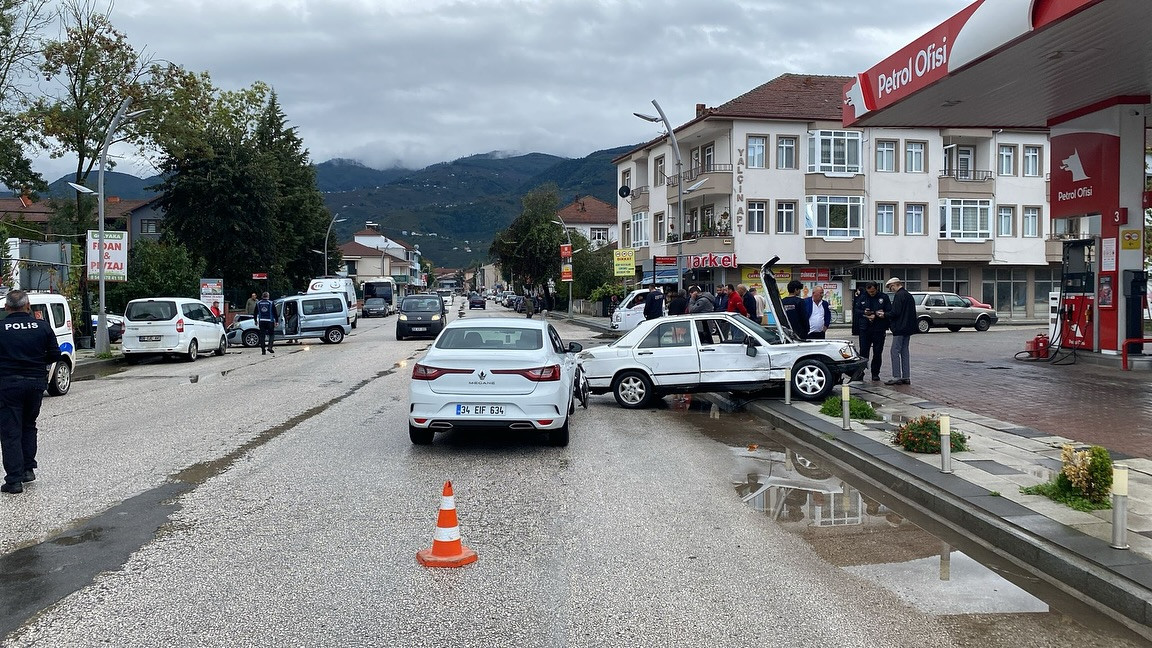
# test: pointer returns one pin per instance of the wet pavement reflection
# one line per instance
(866, 532)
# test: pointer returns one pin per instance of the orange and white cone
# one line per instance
(447, 548)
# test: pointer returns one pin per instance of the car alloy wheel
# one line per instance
(924, 325)
(250, 339)
(811, 379)
(223, 348)
(633, 390)
(193, 351)
(61, 379)
(983, 324)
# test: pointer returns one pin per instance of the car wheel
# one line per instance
(807, 467)
(333, 335)
(811, 379)
(420, 436)
(223, 348)
(354, 322)
(399, 335)
(953, 328)
(983, 324)
(924, 324)
(250, 339)
(193, 352)
(633, 390)
(559, 436)
(61, 379)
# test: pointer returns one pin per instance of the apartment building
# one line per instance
(774, 173)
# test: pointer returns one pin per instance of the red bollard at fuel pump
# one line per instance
(1037, 347)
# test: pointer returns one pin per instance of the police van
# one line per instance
(53, 308)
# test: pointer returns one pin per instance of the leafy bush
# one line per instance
(607, 290)
(858, 408)
(923, 435)
(1084, 483)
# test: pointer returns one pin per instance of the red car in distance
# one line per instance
(975, 303)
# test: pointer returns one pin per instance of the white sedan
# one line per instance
(495, 372)
(714, 352)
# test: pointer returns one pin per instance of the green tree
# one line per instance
(21, 25)
(529, 249)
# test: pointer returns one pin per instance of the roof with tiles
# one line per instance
(588, 211)
(40, 211)
(354, 249)
(790, 96)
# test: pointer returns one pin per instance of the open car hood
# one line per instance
(773, 298)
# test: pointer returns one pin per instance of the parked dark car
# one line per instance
(374, 307)
(420, 315)
(477, 301)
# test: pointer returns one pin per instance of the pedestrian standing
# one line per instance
(736, 300)
(818, 313)
(700, 301)
(266, 320)
(250, 307)
(903, 323)
(27, 347)
(679, 303)
(529, 306)
(794, 309)
(870, 314)
(721, 304)
(654, 303)
(750, 305)
(761, 305)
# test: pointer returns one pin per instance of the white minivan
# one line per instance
(53, 308)
(343, 285)
(630, 312)
(171, 326)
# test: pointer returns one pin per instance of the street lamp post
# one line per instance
(102, 345)
(335, 219)
(572, 279)
(679, 194)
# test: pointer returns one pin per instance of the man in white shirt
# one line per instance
(818, 313)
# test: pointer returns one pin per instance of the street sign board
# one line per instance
(624, 262)
(259, 275)
(565, 251)
(665, 260)
(114, 256)
(566, 272)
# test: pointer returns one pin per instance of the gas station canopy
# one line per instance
(1011, 64)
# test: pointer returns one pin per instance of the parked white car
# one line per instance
(176, 326)
(630, 312)
(495, 372)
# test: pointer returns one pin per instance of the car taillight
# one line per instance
(536, 374)
(424, 372)
(180, 326)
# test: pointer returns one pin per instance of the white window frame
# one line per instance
(640, 229)
(886, 156)
(757, 213)
(1005, 220)
(757, 150)
(598, 235)
(1032, 156)
(820, 215)
(786, 152)
(1030, 227)
(885, 219)
(626, 178)
(659, 227)
(1006, 160)
(660, 179)
(834, 151)
(965, 219)
(914, 219)
(786, 217)
(915, 160)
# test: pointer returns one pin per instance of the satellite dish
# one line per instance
(624, 191)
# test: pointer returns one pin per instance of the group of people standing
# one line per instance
(729, 298)
(873, 315)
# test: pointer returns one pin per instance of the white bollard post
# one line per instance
(788, 386)
(946, 444)
(844, 400)
(1119, 506)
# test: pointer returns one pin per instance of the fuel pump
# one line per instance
(1077, 294)
(1135, 293)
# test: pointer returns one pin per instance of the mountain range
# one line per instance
(452, 210)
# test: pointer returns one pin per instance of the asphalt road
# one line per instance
(304, 504)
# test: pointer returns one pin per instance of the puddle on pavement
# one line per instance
(886, 542)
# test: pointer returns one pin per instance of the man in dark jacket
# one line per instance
(679, 303)
(870, 315)
(722, 294)
(654, 303)
(27, 347)
(266, 321)
(700, 301)
(750, 305)
(793, 309)
(818, 314)
(903, 323)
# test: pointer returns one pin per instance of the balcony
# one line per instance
(639, 199)
(967, 183)
(1054, 250)
(710, 179)
(820, 249)
(961, 250)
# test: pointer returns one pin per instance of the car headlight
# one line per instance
(402, 317)
(847, 352)
(435, 318)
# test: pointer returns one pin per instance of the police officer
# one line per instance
(27, 347)
(266, 320)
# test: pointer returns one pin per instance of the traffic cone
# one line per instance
(447, 549)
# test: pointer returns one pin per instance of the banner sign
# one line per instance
(565, 251)
(815, 274)
(664, 260)
(624, 263)
(566, 271)
(114, 256)
(212, 293)
(259, 275)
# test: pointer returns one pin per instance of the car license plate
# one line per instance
(150, 338)
(479, 410)
(419, 328)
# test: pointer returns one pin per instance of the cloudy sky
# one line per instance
(414, 82)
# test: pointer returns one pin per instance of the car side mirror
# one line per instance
(575, 347)
(750, 349)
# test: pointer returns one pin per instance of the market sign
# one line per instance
(624, 263)
(815, 274)
(114, 256)
(710, 260)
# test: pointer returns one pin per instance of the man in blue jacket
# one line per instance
(266, 320)
(818, 314)
(870, 315)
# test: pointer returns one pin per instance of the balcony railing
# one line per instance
(705, 231)
(967, 175)
(696, 172)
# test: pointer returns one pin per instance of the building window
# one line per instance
(832, 151)
(756, 213)
(965, 219)
(658, 223)
(640, 229)
(756, 147)
(886, 219)
(150, 226)
(1031, 225)
(785, 218)
(1007, 160)
(709, 157)
(914, 157)
(1005, 220)
(626, 234)
(350, 267)
(786, 153)
(1032, 161)
(626, 178)
(914, 220)
(834, 216)
(660, 178)
(1047, 280)
(598, 236)
(886, 155)
(948, 280)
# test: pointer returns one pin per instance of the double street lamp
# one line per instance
(679, 192)
(102, 344)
